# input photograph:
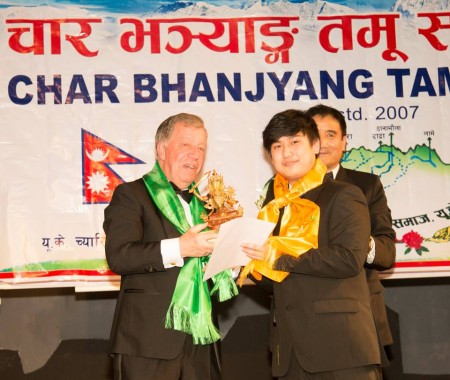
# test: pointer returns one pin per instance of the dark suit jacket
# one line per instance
(384, 237)
(322, 309)
(134, 229)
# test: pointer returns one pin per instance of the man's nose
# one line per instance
(287, 151)
(323, 142)
(195, 153)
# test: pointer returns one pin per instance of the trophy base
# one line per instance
(214, 220)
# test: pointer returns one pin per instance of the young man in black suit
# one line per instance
(323, 326)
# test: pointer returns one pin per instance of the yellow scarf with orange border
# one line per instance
(299, 226)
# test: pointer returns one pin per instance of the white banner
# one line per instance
(83, 90)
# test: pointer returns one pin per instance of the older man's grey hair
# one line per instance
(166, 128)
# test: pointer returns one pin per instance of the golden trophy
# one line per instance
(219, 200)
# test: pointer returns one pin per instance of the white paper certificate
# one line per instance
(227, 252)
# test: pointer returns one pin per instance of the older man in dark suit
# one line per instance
(163, 325)
(323, 326)
(381, 250)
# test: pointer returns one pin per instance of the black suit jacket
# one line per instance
(134, 229)
(384, 237)
(322, 309)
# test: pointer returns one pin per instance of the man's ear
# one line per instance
(316, 146)
(160, 151)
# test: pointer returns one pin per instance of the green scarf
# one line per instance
(190, 308)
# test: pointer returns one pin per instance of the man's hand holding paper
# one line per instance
(228, 252)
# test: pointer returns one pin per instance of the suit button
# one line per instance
(289, 308)
(149, 269)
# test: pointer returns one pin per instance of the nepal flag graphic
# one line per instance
(99, 180)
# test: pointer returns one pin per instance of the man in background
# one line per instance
(381, 249)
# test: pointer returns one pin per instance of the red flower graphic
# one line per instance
(413, 240)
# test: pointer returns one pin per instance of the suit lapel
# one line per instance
(313, 194)
(342, 175)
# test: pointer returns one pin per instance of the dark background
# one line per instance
(56, 333)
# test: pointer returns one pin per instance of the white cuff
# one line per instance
(170, 251)
(371, 254)
(235, 272)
